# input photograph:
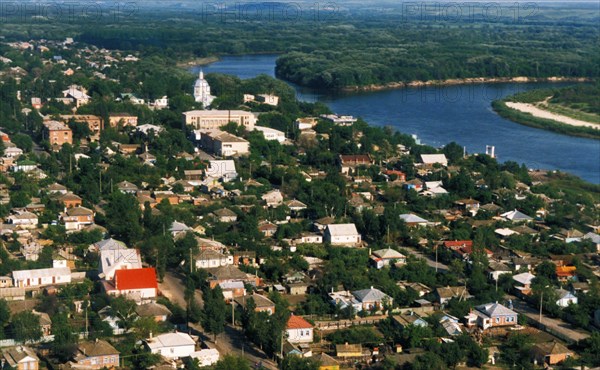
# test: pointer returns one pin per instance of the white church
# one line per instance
(202, 91)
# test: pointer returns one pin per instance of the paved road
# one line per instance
(430, 261)
(555, 326)
(232, 341)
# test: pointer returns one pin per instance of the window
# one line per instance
(497, 319)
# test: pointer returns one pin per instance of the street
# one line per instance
(231, 341)
(430, 261)
(557, 327)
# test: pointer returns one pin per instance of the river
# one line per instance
(441, 114)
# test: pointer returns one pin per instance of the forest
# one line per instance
(356, 46)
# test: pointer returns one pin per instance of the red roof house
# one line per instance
(299, 330)
(137, 284)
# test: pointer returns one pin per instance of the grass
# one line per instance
(570, 112)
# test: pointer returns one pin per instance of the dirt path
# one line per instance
(540, 113)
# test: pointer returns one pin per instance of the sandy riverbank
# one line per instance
(463, 81)
(198, 61)
(540, 113)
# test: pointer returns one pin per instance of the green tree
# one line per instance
(4, 316)
(214, 311)
(123, 215)
(65, 340)
(299, 363)
(230, 362)
(26, 327)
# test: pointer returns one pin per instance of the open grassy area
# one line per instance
(570, 112)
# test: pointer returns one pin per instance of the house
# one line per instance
(463, 248)
(271, 134)
(468, 205)
(171, 345)
(262, 303)
(274, 198)
(225, 215)
(13, 152)
(41, 277)
(19, 358)
(116, 259)
(77, 218)
(492, 315)
(70, 200)
(523, 283)
(569, 236)
(221, 170)
(227, 275)
(24, 165)
(413, 220)
(160, 103)
(96, 354)
(25, 220)
(565, 298)
(206, 356)
(296, 206)
(268, 229)
(308, 238)
(372, 299)
(178, 228)
(395, 175)
(94, 123)
(516, 216)
(298, 330)
(77, 95)
(137, 284)
(385, 257)
(342, 234)
(122, 120)
(451, 325)
(420, 288)
(550, 353)
(159, 312)
(45, 322)
(127, 187)
(107, 244)
(57, 134)
(268, 99)
(147, 129)
(414, 184)
(594, 239)
(434, 189)
(171, 197)
(214, 119)
(433, 159)
(445, 294)
(495, 269)
(566, 273)
(339, 120)
(350, 163)
(56, 189)
(305, 123)
(405, 320)
(209, 258)
(326, 362)
(348, 350)
(223, 143)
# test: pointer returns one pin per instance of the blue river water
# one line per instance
(441, 114)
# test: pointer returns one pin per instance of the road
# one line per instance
(232, 341)
(554, 326)
(430, 261)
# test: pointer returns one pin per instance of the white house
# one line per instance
(565, 298)
(516, 216)
(431, 159)
(115, 259)
(24, 219)
(271, 134)
(209, 258)
(268, 99)
(385, 257)
(206, 357)
(342, 234)
(309, 238)
(147, 128)
(41, 277)
(299, 330)
(223, 170)
(13, 152)
(273, 198)
(139, 285)
(172, 345)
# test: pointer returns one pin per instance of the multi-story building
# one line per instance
(57, 133)
(214, 119)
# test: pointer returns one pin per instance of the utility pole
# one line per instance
(191, 266)
(86, 323)
(233, 313)
(541, 302)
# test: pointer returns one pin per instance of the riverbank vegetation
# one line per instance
(578, 102)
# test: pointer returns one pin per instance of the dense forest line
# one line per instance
(349, 48)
